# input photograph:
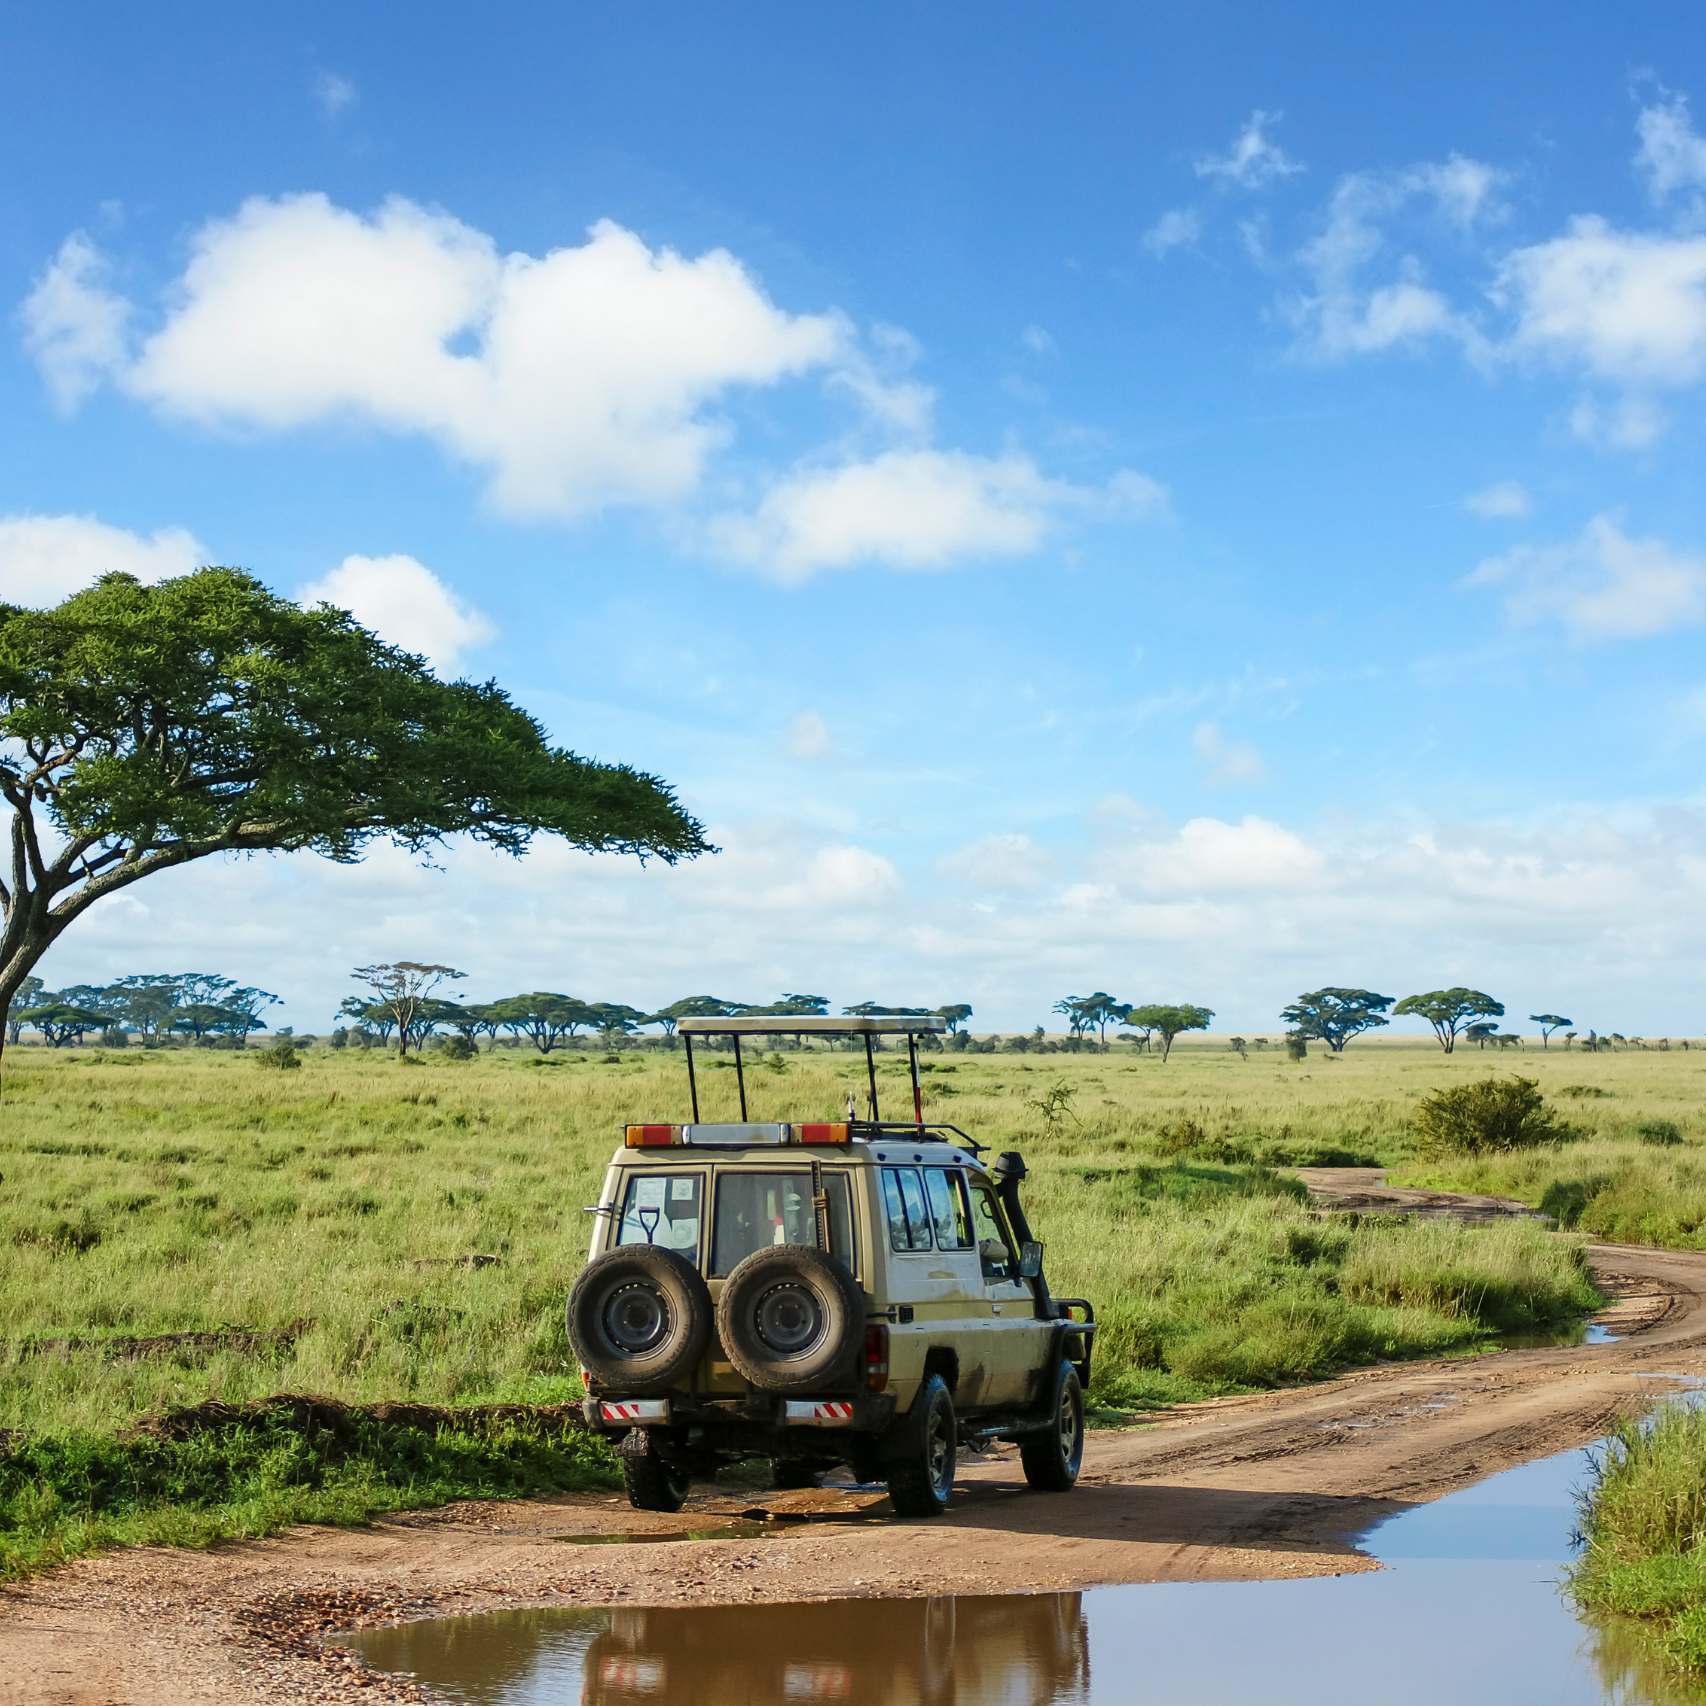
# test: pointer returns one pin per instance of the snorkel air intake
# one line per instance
(1007, 1172)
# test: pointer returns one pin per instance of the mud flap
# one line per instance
(905, 1436)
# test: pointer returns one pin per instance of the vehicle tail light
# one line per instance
(821, 1133)
(876, 1358)
(649, 1136)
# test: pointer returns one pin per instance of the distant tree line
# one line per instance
(152, 1008)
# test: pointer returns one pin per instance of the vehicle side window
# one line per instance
(948, 1213)
(993, 1248)
(909, 1220)
(756, 1209)
(663, 1208)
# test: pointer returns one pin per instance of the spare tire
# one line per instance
(640, 1319)
(792, 1320)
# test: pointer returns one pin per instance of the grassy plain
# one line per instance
(314, 1230)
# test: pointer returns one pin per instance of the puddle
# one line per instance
(1467, 1610)
(1583, 1333)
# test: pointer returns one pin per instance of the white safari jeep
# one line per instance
(863, 1292)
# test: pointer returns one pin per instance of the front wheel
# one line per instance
(1053, 1458)
(652, 1485)
(920, 1482)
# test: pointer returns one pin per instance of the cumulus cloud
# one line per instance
(1208, 856)
(808, 739)
(1226, 762)
(999, 864)
(1345, 314)
(1672, 155)
(915, 509)
(1602, 585)
(45, 558)
(578, 379)
(406, 605)
(1253, 159)
(1499, 501)
(75, 324)
(1177, 228)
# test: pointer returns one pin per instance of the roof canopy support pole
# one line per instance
(871, 1073)
(740, 1078)
(917, 1093)
(692, 1082)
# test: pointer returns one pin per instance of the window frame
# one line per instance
(849, 1258)
(639, 1175)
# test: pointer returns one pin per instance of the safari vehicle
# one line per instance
(817, 1292)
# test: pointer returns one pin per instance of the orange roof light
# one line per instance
(821, 1133)
(650, 1136)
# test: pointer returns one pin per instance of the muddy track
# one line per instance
(1276, 1485)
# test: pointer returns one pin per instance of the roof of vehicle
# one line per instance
(788, 1025)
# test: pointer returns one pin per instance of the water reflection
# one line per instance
(1467, 1611)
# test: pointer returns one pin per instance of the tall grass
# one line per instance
(1644, 1525)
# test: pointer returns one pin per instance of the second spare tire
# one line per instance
(792, 1320)
(639, 1318)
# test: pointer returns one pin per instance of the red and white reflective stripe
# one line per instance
(833, 1412)
(808, 1412)
(636, 1410)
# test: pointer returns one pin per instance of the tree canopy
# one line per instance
(1337, 1015)
(1548, 1023)
(142, 727)
(1448, 1010)
(1168, 1022)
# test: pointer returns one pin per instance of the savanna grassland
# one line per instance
(178, 1226)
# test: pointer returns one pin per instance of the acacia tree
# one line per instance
(956, 1015)
(1548, 1023)
(29, 992)
(1337, 1015)
(692, 1007)
(1168, 1022)
(403, 989)
(144, 727)
(1448, 1010)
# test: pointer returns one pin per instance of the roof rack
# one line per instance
(911, 1026)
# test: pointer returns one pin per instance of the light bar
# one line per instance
(841, 1133)
(732, 1135)
(650, 1136)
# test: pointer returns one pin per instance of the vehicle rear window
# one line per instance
(756, 1209)
(948, 1214)
(663, 1208)
(909, 1219)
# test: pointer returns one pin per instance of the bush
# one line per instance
(1662, 1133)
(1296, 1045)
(1492, 1116)
(460, 1048)
(281, 1057)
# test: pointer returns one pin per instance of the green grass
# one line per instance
(1644, 1523)
(199, 1193)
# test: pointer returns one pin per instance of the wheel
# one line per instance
(639, 1318)
(1052, 1459)
(920, 1482)
(792, 1320)
(652, 1485)
(789, 1475)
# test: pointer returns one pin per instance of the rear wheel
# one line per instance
(920, 1482)
(652, 1485)
(1052, 1459)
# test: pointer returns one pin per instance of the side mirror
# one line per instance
(1030, 1259)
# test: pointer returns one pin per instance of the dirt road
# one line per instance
(1269, 1486)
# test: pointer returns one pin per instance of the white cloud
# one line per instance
(1253, 160)
(1175, 229)
(999, 864)
(1499, 501)
(73, 324)
(333, 94)
(1602, 585)
(578, 379)
(1344, 314)
(406, 605)
(1672, 155)
(808, 739)
(1037, 340)
(1209, 856)
(45, 558)
(914, 509)
(1623, 306)
(1225, 764)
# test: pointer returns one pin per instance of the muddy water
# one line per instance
(1468, 1611)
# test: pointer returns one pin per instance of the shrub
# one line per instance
(1296, 1045)
(281, 1057)
(1663, 1133)
(460, 1048)
(1492, 1116)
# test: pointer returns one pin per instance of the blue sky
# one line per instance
(1197, 502)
